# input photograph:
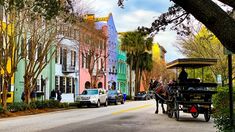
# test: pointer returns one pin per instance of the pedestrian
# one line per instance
(59, 95)
(53, 95)
(23, 96)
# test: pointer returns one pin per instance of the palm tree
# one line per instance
(135, 44)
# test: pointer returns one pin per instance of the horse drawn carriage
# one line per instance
(192, 95)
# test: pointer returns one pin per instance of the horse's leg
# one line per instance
(163, 110)
(156, 99)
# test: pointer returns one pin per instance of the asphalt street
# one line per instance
(135, 116)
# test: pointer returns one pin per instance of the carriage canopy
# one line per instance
(191, 63)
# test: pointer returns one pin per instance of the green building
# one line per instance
(122, 70)
(42, 89)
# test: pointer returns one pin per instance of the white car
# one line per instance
(92, 97)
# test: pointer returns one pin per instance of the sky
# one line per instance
(138, 13)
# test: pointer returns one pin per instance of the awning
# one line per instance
(191, 63)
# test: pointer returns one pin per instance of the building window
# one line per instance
(73, 85)
(61, 55)
(57, 83)
(87, 60)
(74, 58)
(38, 88)
(68, 85)
(64, 54)
(62, 84)
(83, 61)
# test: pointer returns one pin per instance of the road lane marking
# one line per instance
(131, 109)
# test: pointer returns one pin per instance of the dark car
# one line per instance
(142, 96)
(115, 96)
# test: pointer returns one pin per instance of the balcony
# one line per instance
(68, 69)
(113, 72)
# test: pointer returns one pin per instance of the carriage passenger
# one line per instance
(183, 75)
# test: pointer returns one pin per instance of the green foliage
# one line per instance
(45, 104)
(63, 105)
(73, 104)
(128, 97)
(46, 8)
(17, 106)
(221, 109)
(203, 44)
(51, 104)
(21, 106)
(1, 109)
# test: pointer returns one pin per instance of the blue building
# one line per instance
(112, 49)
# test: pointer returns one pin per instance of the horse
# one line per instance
(161, 94)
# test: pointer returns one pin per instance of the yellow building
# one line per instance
(9, 32)
(158, 52)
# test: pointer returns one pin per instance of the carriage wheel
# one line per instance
(170, 113)
(207, 115)
(195, 115)
(177, 112)
(170, 109)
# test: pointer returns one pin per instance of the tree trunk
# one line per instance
(140, 78)
(137, 76)
(27, 89)
(4, 94)
(214, 18)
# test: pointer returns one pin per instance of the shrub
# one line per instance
(63, 105)
(17, 106)
(128, 97)
(39, 104)
(45, 104)
(1, 109)
(221, 109)
(73, 104)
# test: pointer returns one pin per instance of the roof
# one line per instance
(191, 63)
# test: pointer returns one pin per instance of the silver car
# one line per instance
(92, 97)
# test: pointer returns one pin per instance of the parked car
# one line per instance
(92, 97)
(142, 96)
(115, 96)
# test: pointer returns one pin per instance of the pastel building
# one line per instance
(66, 73)
(122, 70)
(112, 49)
(158, 52)
(44, 81)
(61, 73)
(92, 55)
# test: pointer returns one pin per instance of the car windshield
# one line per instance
(141, 93)
(112, 92)
(90, 92)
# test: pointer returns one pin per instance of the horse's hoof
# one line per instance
(156, 112)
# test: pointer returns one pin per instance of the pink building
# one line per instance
(92, 55)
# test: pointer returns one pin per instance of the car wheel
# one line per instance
(98, 104)
(106, 103)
